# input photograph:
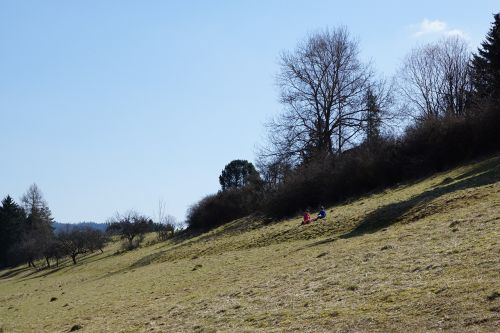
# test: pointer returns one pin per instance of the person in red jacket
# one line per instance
(307, 217)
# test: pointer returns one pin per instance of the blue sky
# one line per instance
(114, 105)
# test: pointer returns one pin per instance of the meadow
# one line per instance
(419, 257)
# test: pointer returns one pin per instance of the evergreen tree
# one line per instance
(486, 65)
(373, 118)
(12, 217)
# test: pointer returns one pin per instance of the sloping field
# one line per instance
(422, 257)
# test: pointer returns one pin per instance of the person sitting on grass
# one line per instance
(307, 217)
(321, 214)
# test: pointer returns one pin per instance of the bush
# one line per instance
(164, 231)
(225, 206)
(133, 244)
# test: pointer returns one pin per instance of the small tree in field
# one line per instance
(96, 239)
(131, 227)
(165, 227)
(73, 243)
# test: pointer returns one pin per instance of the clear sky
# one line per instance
(113, 105)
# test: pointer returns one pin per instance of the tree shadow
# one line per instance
(14, 272)
(65, 263)
(485, 173)
(316, 243)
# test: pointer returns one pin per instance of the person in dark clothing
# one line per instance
(321, 214)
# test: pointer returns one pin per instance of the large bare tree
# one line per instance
(323, 88)
(435, 79)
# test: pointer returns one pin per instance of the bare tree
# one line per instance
(33, 201)
(166, 225)
(39, 216)
(323, 86)
(162, 215)
(26, 249)
(435, 79)
(95, 239)
(274, 169)
(130, 226)
(73, 243)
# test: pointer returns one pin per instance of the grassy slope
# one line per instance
(419, 257)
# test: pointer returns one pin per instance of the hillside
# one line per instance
(420, 257)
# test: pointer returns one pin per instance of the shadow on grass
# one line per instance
(485, 173)
(323, 241)
(40, 272)
(14, 272)
(482, 173)
(147, 260)
(65, 263)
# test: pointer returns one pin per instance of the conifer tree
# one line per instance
(11, 226)
(37, 209)
(486, 65)
(373, 119)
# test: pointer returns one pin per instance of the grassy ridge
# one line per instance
(420, 257)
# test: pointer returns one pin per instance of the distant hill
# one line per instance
(60, 227)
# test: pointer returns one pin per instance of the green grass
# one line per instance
(420, 257)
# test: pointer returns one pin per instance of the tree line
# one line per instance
(344, 131)
(27, 235)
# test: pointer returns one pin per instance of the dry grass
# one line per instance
(421, 257)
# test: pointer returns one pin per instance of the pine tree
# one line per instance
(486, 65)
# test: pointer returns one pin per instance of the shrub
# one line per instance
(225, 206)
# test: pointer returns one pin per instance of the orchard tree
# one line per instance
(95, 239)
(130, 226)
(73, 243)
